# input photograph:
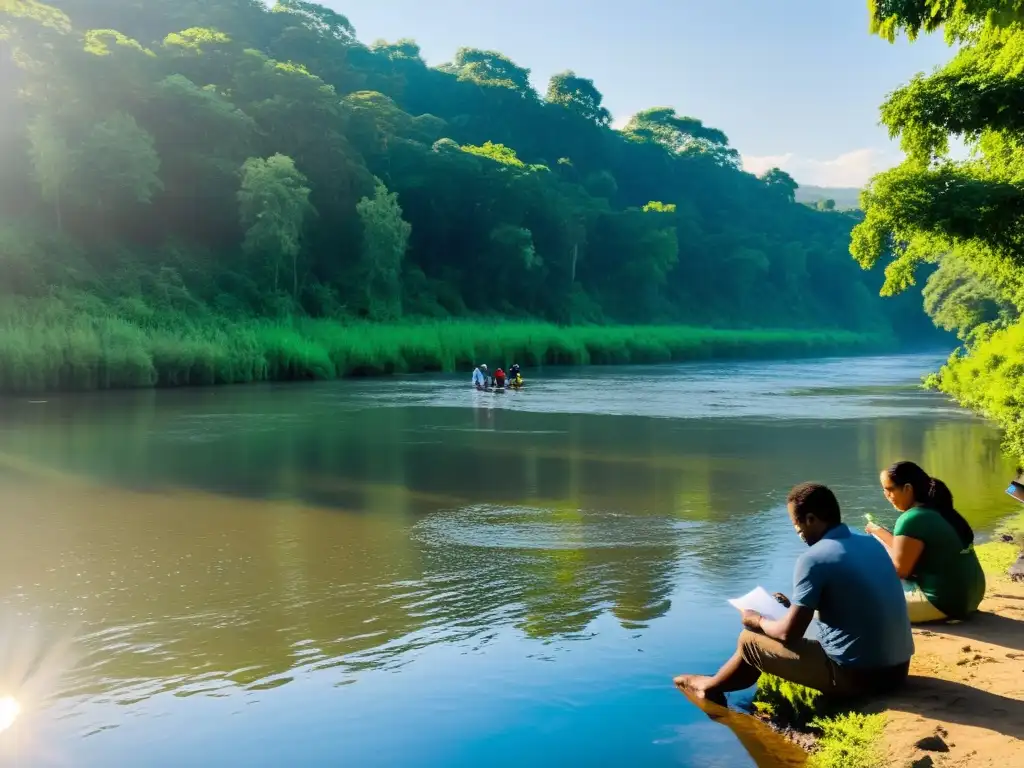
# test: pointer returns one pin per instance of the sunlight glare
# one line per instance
(9, 711)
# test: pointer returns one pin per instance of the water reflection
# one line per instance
(221, 542)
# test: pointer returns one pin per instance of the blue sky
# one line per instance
(799, 89)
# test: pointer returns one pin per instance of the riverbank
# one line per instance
(51, 345)
(963, 705)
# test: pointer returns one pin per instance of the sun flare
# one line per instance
(9, 711)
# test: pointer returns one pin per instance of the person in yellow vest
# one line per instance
(515, 377)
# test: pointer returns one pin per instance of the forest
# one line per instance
(961, 218)
(217, 191)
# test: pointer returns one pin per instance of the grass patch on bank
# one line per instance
(56, 344)
(996, 556)
(845, 738)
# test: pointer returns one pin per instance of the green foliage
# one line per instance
(116, 165)
(273, 205)
(787, 702)
(656, 206)
(850, 740)
(845, 739)
(499, 153)
(579, 95)
(385, 240)
(52, 161)
(959, 301)
(782, 183)
(966, 215)
(681, 135)
(492, 69)
(125, 128)
(80, 343)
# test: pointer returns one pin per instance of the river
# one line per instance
(408, 572)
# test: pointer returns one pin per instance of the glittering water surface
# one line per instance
(406, 572)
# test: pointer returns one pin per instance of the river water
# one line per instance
(406, 572)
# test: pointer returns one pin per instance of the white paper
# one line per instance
(759, 600)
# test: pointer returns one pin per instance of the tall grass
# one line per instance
(52, 344)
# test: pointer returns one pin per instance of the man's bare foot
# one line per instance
(699, 686)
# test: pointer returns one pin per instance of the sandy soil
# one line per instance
(964, 703)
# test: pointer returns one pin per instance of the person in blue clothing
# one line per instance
(480, 376)
(864, 644)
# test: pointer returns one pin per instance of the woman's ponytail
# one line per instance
(941, 500)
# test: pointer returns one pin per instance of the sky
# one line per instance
(794, 83)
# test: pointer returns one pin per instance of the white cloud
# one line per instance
(850, 169)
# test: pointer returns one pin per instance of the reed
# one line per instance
(53, 344)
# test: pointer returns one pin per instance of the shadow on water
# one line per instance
(766, 748)
(233, 542)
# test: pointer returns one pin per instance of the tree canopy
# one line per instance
(967, 216)
(279, 164)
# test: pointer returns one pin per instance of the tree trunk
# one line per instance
(575, 256)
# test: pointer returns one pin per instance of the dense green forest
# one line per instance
(205, 191)
(965, 216)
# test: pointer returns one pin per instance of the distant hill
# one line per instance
(845, 197)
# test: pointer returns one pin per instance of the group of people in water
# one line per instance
(865, 589)
(513, 379)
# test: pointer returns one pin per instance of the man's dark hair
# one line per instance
(816, 499)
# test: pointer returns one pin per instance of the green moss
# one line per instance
(786, 702)
(850, 740)
(81, 343)
(846, 739)
(997, 556)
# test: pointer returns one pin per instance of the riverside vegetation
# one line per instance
(963, 216)
(218, 191)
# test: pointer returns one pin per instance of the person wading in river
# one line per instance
(480, 376)
(865, 641)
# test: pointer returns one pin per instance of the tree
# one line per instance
(385, 240)
(273, 206)
(537, 201)
(492, 69)
(932, 208)
(960, 302)
(117, 165)
(499, 153)
(578, 95)
(52, 162)
(680, 135)
(781, 182)
(323, 21)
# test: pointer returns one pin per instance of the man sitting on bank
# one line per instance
(865, 641)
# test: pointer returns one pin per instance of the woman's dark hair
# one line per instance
(816, 499)
(932, 493)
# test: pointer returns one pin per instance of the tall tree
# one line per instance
(385, 240)
(579, 95)
(274, 206)
(117, 165)
(932, 207)
(492, 69)
(781, 182)
(52, 161)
